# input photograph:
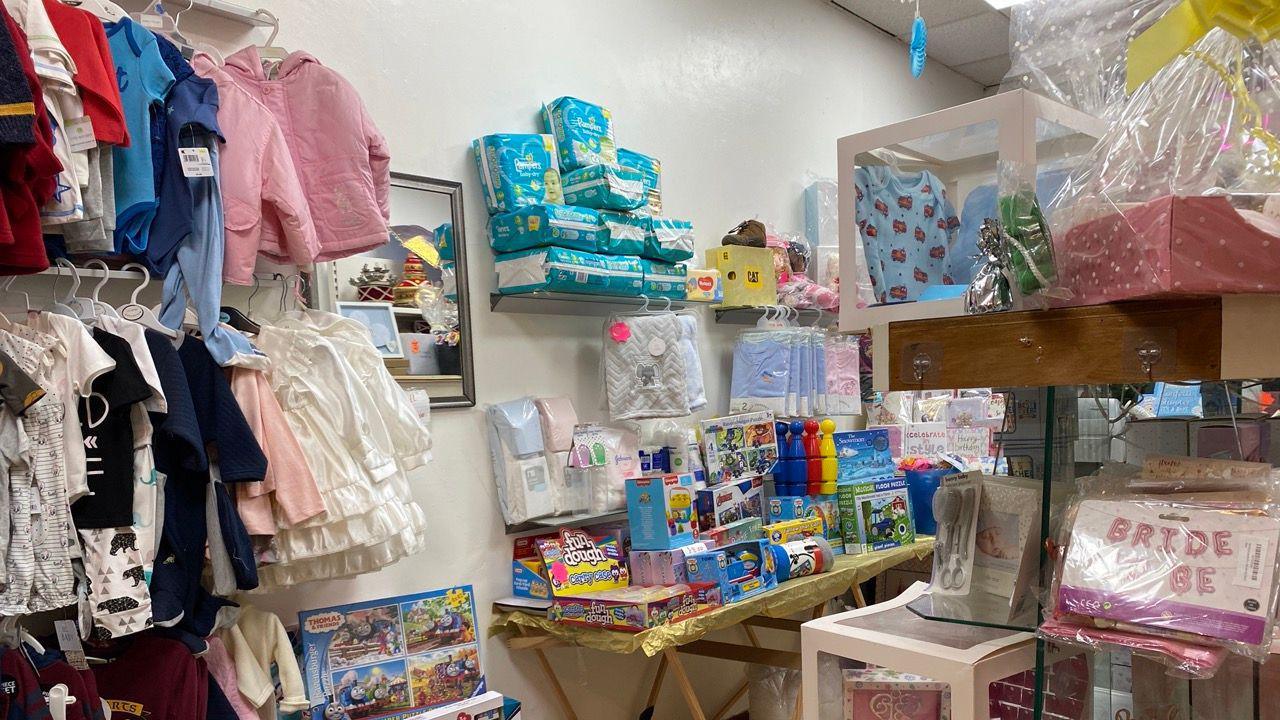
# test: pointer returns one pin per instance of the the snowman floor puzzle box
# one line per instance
(393, 658)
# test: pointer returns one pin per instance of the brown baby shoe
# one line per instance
(749, 233)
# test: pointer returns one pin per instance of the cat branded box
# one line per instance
(746, 274)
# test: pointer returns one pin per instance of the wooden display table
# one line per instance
(528, 631)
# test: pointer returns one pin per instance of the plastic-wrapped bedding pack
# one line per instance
(545, 224)
(520, 469)
(668, 239)
(1180, 565)
(557, 269)
(1181, 195)
(517, 170)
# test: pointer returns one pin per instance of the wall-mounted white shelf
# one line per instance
(554, 523)
(93, 272)
(553, 303)
(747, 315)
(220, 8)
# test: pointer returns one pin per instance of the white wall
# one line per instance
(738, 98)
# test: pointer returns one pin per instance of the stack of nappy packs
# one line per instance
(572, 212)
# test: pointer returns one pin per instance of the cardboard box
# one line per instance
(1155, 436)
(636, 608)
(730, 502)
(823, 507)
(577, 563)
(740, 571)
(751, 528)
(528, 574)
(1216, 438)
(737, 447)
(663, 567)
(798, 529)
(661, 512)
(746, 274)
(875, 515)
(482, 707)
(910, 697)
(864, 454)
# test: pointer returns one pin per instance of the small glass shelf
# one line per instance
(978, 609)
(553, 523)
(748, 315)
(554, 303)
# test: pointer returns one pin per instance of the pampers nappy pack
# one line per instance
(627, 232)
(583, 132)
(669, 240)
(517, 170)
(557, 269)
(652, 169)
(546, 224)
(663, 279)
(604, 187)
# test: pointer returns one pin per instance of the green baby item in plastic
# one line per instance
(1030, 245)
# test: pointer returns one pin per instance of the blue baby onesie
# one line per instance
(144, 81)
(908, 230)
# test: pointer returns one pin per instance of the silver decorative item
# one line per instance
(989, 292)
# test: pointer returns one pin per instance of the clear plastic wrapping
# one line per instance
(1181, 577)
(1181, 194)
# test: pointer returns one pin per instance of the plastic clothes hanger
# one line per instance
(270, 51)
(101, 307)
(59, 699)
(155, 19)
(60, 306)
(6, 291)
(141, 314)
(102, 9)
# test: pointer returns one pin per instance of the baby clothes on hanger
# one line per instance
(157, 676)
(266, 209)
(908, 230)
(144, 82)
(257, 642)
(694, 384)
(644, 367)
(762, 370)
(17, 390)
(341, 158)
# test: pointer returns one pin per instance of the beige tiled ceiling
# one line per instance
(966, 35)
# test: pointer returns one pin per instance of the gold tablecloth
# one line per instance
(787, 599)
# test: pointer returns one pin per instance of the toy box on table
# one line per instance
(823, 507)
(875, 515)
(484, 707)
(661, 512)
(636, 608)
(663, 567)
(798, 529)
(576, 564)
(863, 454)
(751, 528)
(739, 446)
(528, 573)
(730, 502)
(879, 692)
(742, 570)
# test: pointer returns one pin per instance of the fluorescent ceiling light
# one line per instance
(1002, 4)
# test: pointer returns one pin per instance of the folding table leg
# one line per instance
(686, 687)
(647, 712)
(858, 599)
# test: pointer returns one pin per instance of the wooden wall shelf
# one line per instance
(1214, 338)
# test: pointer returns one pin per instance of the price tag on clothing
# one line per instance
(195, 162)
(151, 22)
(69, 641)
(421, 402)
(80, 134)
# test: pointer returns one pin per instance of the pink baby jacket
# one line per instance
(266, 210)
(340, 156)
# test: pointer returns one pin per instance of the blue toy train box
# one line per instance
(547, 224)
(730, 502)
(661, 512)
(863, 454)
(392, 658)
(823, 507)
(517, 170)
(742, 570)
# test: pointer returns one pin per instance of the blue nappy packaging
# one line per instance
(663, 279)
(444, 240)
(626, 232)
(583, 132)
(517, 170)
(556, 269)
(651, 167)
(668, 239)
(545, 224)
(604, 187)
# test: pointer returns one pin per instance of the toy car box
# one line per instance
(661, 512)
(663, 567)
(751, 528)
(730, 502)
(636, 608)
(798, 529)
(741, 570)
(823, 507)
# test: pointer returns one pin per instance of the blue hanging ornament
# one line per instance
(919, 38)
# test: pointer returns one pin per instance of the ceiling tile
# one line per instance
(969, 40)
(896, 17)
(987, 72)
